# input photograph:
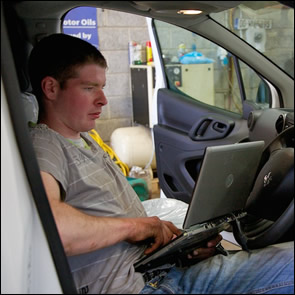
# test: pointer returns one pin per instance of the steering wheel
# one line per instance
(270, 206)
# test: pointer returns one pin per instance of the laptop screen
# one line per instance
(225, 181)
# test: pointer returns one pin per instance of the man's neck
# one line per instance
(60, 128)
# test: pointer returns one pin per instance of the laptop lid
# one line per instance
(225, 181)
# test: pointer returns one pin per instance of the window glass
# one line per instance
(256, 89)
(266, 25)
(199, 68)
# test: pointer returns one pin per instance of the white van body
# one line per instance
(27, 266)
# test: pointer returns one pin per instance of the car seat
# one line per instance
(31, 107)
(14, 56)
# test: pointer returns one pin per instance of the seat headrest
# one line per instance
(31, 107)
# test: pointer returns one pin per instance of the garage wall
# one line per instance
(115, 30)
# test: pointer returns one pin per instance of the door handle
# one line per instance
(219, 127)
(202, 128)
(209, 128)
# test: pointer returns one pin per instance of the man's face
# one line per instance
(81, 100)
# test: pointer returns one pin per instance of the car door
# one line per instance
(207, 96)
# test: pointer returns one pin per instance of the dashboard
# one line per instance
(266, 124)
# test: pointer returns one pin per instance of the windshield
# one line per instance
(266, 25)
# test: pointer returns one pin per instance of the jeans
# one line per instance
(264, 271)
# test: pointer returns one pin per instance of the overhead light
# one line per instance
(189, 11)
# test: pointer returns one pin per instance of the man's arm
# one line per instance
(82, 233)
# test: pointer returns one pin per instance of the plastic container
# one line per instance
(181, 50)
(149, 54)
(134, 146)
(146, 174)
(140, 187)
(136, 53)
(131, 49)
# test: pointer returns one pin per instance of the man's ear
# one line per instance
(50, 87)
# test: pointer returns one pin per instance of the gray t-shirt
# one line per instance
(92, 183)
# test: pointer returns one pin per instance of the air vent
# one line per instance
(280, 123)
(250, 120)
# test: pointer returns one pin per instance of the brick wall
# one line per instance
(115, 30)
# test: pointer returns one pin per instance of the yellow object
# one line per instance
(109, 150)
(149, 54)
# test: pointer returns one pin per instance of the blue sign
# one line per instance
(81, 22)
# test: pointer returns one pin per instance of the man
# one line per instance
(101, 222)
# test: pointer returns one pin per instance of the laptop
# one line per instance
(219, 197)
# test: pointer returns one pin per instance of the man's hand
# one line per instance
(160, 232)
(203, 253)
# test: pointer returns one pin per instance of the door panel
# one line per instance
(179, 150)
(207, 99)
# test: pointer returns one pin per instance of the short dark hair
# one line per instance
(58, 56)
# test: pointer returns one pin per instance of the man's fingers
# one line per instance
(167, 232)
(172, 228)
(214, 242)
(202, 253)
(152, 248)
